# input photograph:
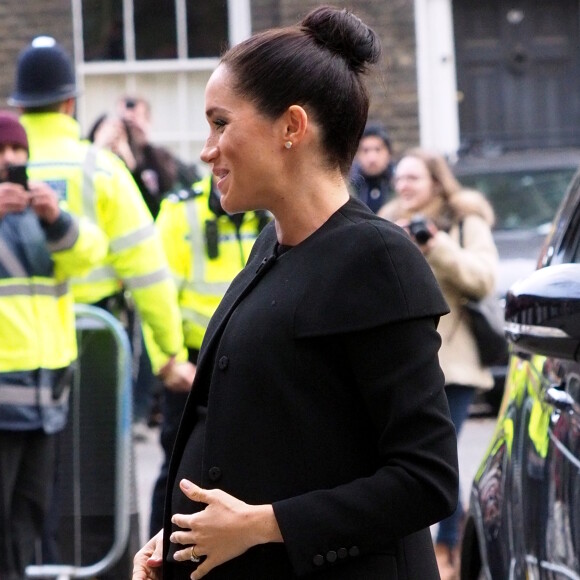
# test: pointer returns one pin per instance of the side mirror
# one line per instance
(542, 312)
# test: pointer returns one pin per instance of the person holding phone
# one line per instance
(41, 247)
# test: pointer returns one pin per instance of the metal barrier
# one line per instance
(94, 477)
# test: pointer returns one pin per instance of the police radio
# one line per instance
(211, 239)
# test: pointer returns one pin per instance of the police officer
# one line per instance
(41, 246)
(206, 248)
(96, 184)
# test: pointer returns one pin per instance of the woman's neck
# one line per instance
(305, 209)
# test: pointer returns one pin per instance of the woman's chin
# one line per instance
(229, 205)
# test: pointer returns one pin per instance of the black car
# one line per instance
(523, 520)
(525, 189)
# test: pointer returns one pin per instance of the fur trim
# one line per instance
(465, 202)
(471, 201)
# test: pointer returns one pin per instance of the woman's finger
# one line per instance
(195, 492)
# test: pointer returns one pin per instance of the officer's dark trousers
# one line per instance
(26, 471)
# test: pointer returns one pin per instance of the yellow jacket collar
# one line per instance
(49, 125)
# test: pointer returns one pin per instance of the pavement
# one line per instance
(473, 443)
(148, 457)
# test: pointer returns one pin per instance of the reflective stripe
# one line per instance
(196, 241)
(9, 260)
(107, 274)
(136, 282)
(211, 288)
(52, 163)
(68, 240)
(190, 315)
(28, 396)
(180, 281)
(99, 274)
(34, 288)
(88, 194)
(133, 238)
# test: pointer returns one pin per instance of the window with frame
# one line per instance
(115, 30)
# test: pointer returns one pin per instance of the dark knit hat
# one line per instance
(377, 130)
(11, 131)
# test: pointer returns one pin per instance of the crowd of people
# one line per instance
(275, 304)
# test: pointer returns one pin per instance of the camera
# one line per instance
(16, 174)
(419, 230)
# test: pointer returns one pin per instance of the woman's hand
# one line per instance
(148, 560)
(225, 529)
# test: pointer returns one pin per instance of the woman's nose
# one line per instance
(208, 153)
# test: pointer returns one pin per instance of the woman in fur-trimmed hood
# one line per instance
(465, 265)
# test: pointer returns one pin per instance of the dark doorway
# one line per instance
(518, 73)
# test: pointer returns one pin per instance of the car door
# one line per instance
(546, 464)
(550, 435)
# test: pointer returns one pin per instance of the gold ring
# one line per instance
(194, 557)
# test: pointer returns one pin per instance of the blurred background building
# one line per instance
(457, 75)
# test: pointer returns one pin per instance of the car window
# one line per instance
(524, 199)
(570, 246)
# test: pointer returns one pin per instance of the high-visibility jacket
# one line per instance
(37, 321)
(96, 184)
(205, 253)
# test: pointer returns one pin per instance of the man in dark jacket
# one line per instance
(41, 247)
(372, 171)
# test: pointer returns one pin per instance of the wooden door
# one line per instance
(518, 73)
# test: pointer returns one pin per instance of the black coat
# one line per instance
(326, 400)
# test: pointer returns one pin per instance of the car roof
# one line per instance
(517, 161)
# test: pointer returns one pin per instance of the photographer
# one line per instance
(452, 227)
(41, 246)
(155, 169)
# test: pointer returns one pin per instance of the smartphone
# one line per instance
(17, 174)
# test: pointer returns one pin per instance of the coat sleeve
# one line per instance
(172, 228)
(396, 370)
(76, 245)
(137, 255)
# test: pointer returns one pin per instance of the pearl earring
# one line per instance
(288, 144)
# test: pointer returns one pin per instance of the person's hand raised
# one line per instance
(13, 198)
(44, 201)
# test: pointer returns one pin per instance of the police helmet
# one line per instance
(44, 75)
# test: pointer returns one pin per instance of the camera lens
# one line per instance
(419, 230)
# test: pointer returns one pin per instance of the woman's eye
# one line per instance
(219, 123)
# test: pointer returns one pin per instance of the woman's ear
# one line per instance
(296, 122)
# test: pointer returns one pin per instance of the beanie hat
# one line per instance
(11, 131)
(377, 130)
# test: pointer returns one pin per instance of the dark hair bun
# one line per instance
(345, 34)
